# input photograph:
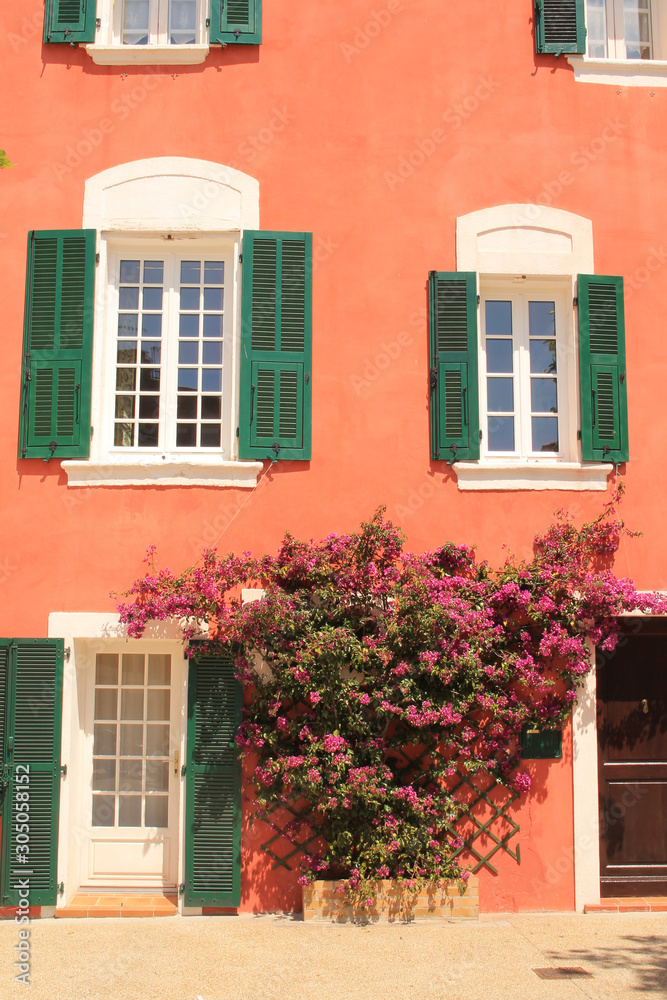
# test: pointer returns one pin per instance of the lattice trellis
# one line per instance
(298, 847)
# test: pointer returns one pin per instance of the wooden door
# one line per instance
(632, 743)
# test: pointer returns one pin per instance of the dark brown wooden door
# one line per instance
(632, 742)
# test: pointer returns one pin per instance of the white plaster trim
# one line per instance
(540, 240)
(147, 55)
(585, 795)
(171, 472)
(535, 475)
(620, 72)
(171, 194)
(105, 625)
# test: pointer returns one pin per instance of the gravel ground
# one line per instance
(270, 958)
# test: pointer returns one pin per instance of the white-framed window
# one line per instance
(169, 340)
(527, 389)
(624, 29)
(158, 22)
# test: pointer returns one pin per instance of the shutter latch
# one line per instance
(181, 889)
(433, 379)
(184, 770)
(52, 447)
(63, 770)
(453, 448)
(621, 378)
(275, 447)
(237, 34)
(61, 888)
(307, 378)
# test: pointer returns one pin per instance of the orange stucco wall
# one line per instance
(325, 114)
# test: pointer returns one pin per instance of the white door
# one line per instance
(132, 778)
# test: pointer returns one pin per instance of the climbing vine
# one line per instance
(361, 656)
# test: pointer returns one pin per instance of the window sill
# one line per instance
(620, 72)
(147, 55)
(155, 472)
(538, 475)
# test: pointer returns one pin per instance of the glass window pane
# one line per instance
(214, 272)
(125, 406)
(189, 298)
(188, 325)
(210, 436)
(186, 435)
(157, 775)
(213, 326)
(104, 739)
(190, 272)
(103, 810)
(153, 270)
(136, 20)
(187, 379)
(157, 810)
(152, 298)
(128, 298)
(211, 380)
(542, 319)
(148, 435)
(106, 668)
(188, 352)
(187, 408)
(159, 668)
(211, 408)
(130, 775)
(128, 324)
(133, 668)
(104, 775)
(545, 433)
(543, 357)
(129, 271)
(131, 741)
(131, 704)
(501, 433)
(498, 319)
(500, 394)
(106, 702)
(499, 356)
(157, 741)
(129, 810)
(212, 353)
(213, 298)
(127, 352)
(543, 395)
(123, 435)
(151, 325)
(150, 380)
(126, 379)
(158, 704)
(149, 407)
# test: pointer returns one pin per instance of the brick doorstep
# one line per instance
(629, 904)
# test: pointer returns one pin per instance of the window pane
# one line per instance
(106, 702)
(210, 436)
(157, 775)
(157, 741)
(190, 272)
(133, 668)
(103, 810)
(131, 741)
(157, 810)
(186, 435)
(543, 357)
(211, 380)
(213, 298)
(123, 435)
(183, 22)
(212, 326)
(127, 352)
(500, 394)
(212, 353)
(104, 775)
(188, 326)
(152, 298)
(187, 379)
(106, 668)
(187, 407)
(189, 298)
(148, 435)
(159, 669)
(130, 775)
(596, 28)
(128, 324)
(128, 298)
(151, 325)
(153, 271)
(542, 319)
(129, 271)
(214, 272)
(158, 704)
(637, 29)
(545, 433)
(126, 379)
(211, 407)
(499, 356)
(543, 395)
(188, 352)
(498, 319)
(105, 739)
(125, 406)
(150, 380)
(129, 810)
(131, 704)
(149, 408)
(501, 433)
(136, 21)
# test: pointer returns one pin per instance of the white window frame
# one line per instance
(532, 246)
(109, 50)
(615, 68)
(520, 290)
(182, 205)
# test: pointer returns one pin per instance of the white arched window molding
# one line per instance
(168, 209)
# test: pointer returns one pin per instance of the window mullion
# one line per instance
(170, 349)
(523, 377)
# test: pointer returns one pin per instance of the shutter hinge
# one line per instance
(579, 435)
(208, 22)
(479, 299)
(98, 22)
(63, 770)
(433, 379)
(97, 258)
(237, 432)
(307, 378)
(181, 889)
(184, 770)
(240, 258)
(621, 378)
(67, 652)
(575, 301)
(61, 888)
(480, 435)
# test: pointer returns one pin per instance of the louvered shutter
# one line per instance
(69, 21)
(33, 710)
(213, 784)
(276, 346)
(560, 26)
(236, 21)
(58, 345)
(453, 365)
(603, 383)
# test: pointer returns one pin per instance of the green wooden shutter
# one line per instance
(453, 365)
(213, 784)
(31, 750)
(603, 383)
(58, 345)
(560, 26)
(275, 406)
(236, 21)
(69, 21)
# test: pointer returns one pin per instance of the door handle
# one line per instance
(176, 762)
(644, 706)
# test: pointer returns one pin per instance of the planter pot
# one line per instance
(392, 903)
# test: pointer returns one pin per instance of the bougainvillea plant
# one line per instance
(372, 657)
